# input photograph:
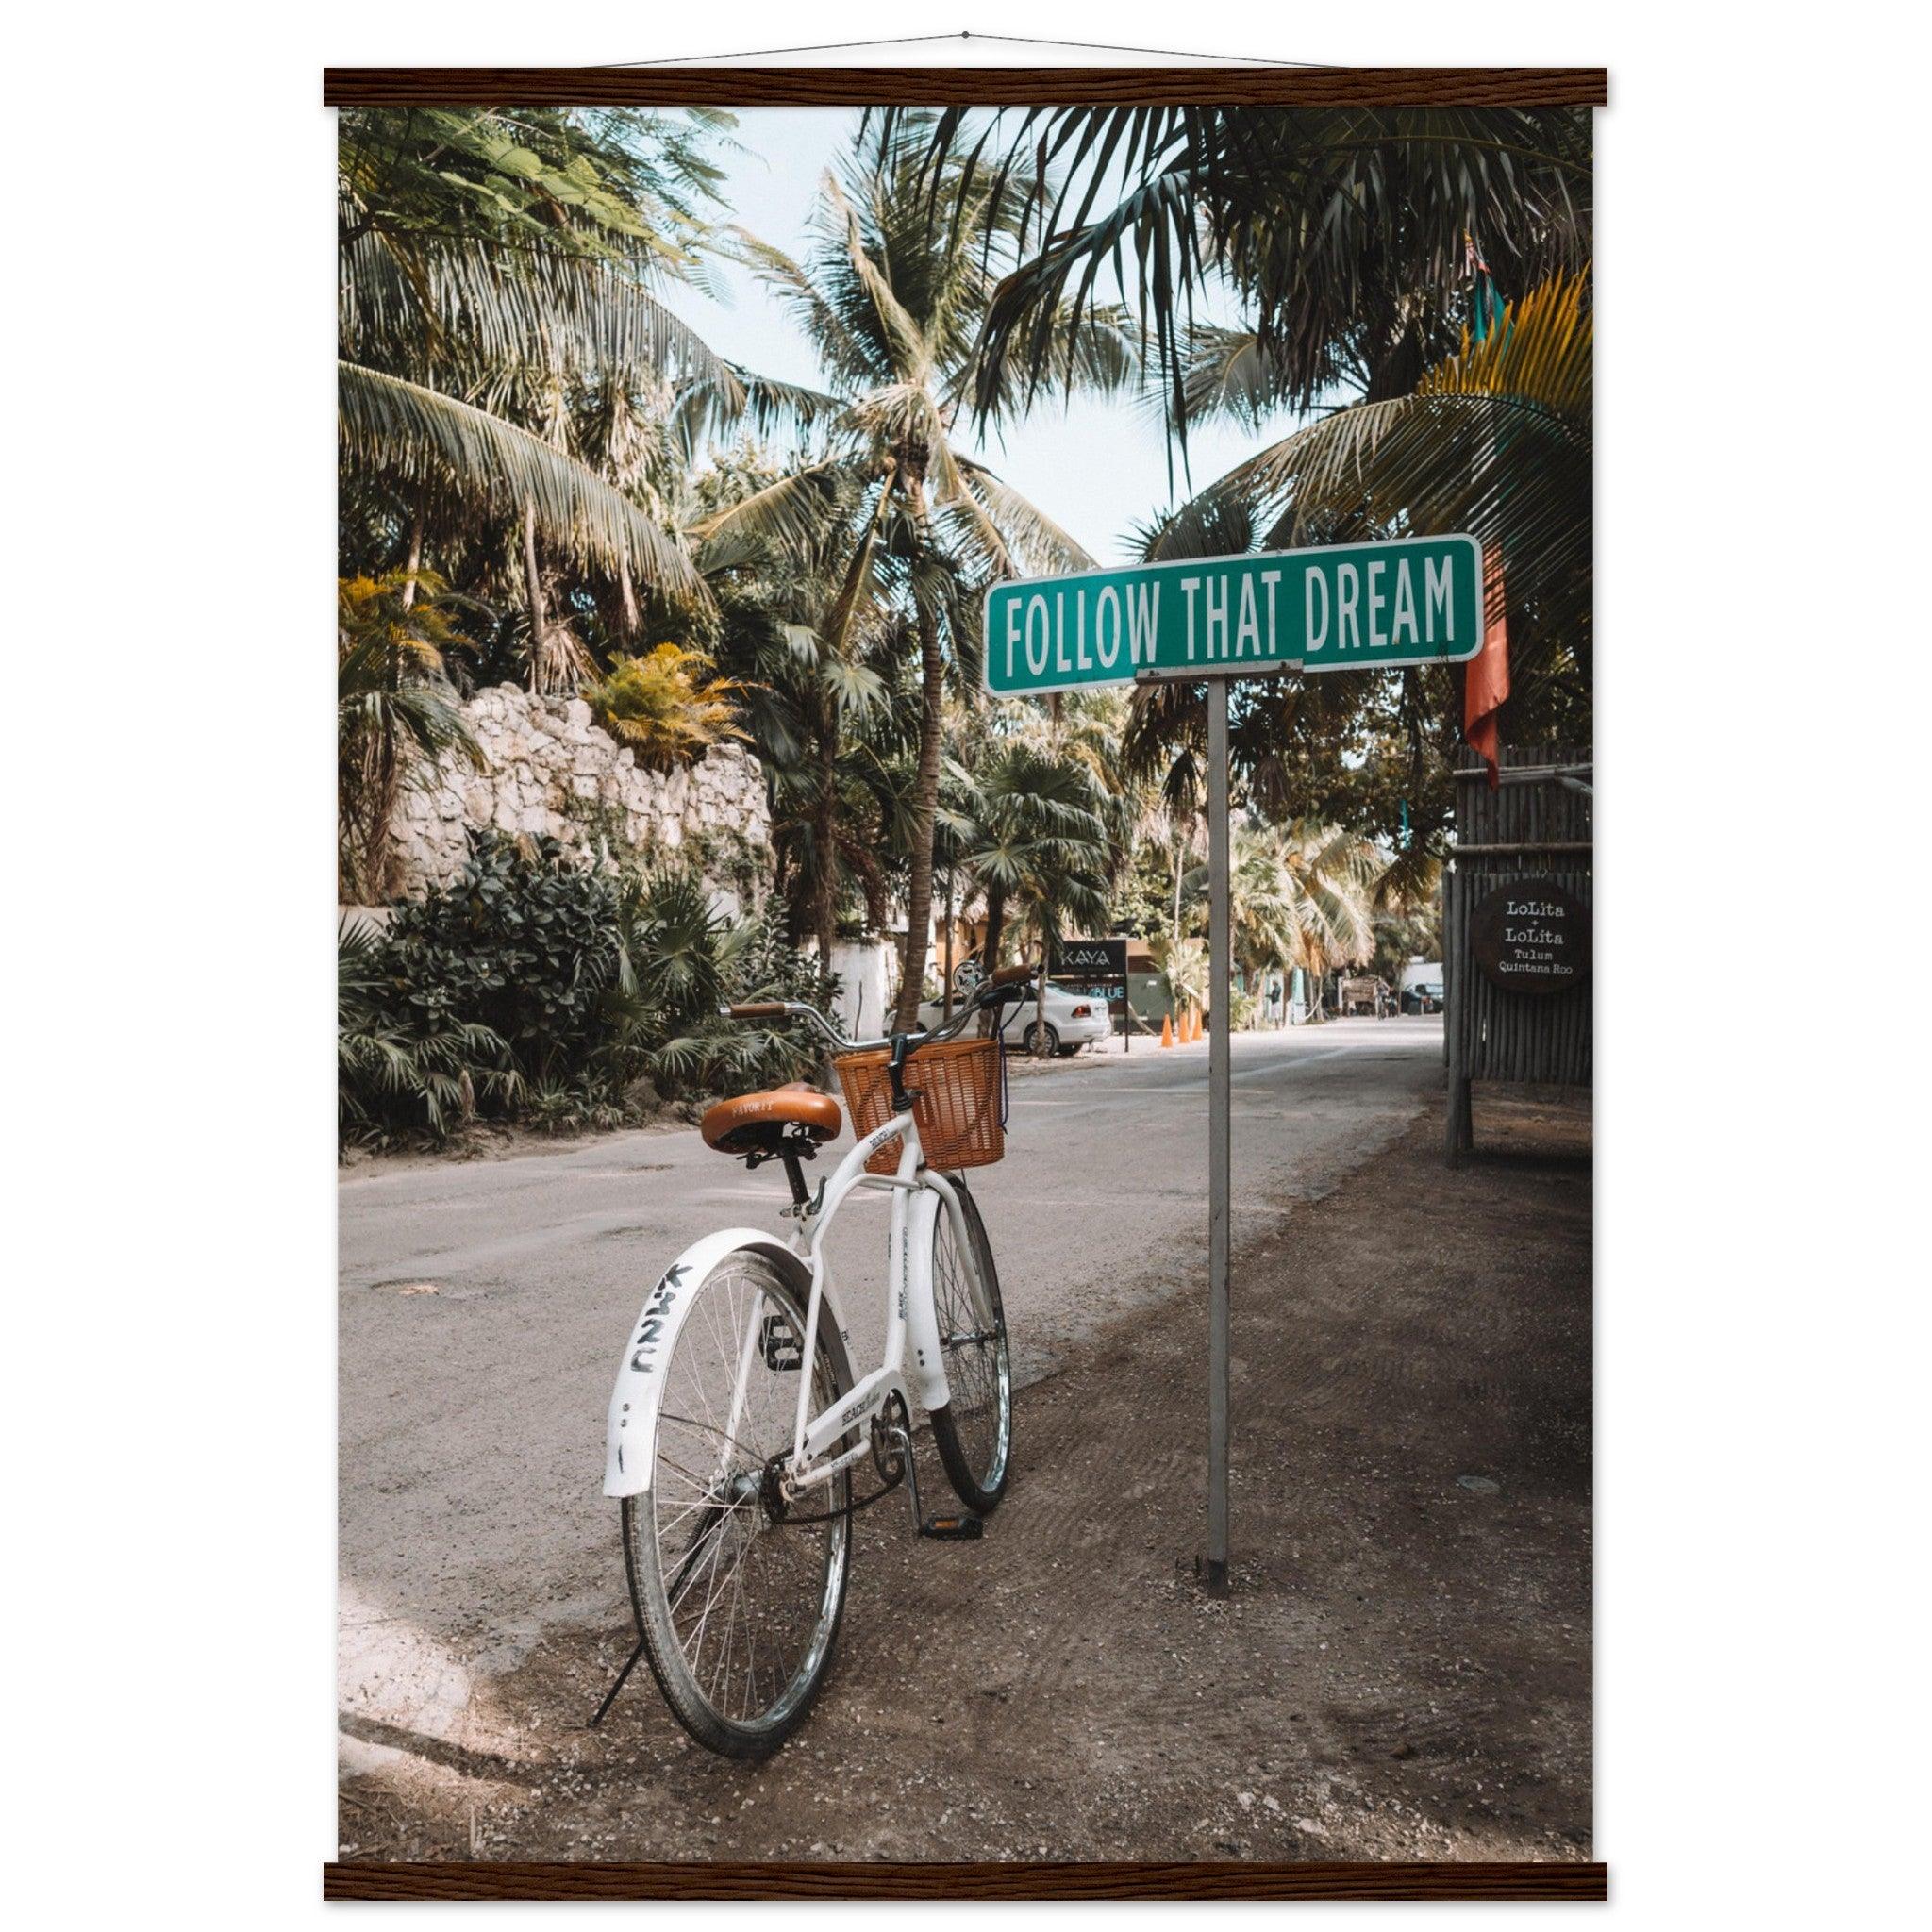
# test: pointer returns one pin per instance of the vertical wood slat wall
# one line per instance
(1489, 1034)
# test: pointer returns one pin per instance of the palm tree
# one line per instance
(1181, 959)
(498, 323)
(821, 646)
(1032, 835)
(893, 313)
(1495, 440)
(1301, 894)
(1343, 231)
(396, 715)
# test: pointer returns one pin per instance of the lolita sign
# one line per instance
(1531, 936)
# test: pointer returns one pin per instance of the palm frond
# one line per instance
(1022, 537)
(1496, 440)
(737, 397)
(1410, 880)
(397, 294)
(426, 437)
(792, 517)
(846, 356)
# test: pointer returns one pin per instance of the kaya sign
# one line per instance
(1090, 960)
(1339, 607)
(1531, 936)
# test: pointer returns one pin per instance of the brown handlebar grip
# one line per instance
(758, 1010)
(1012, 975)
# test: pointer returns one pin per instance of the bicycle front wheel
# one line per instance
(973, 1432)
(737, 1604)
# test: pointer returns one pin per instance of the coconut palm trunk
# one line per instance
(534, 588)
(946, 968)
(415, 562)
(1040, 1003)
(825, 885)
(926, 797)
(995, 926)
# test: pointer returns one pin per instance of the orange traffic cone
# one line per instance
(1167, 1029)
(1194, 1025)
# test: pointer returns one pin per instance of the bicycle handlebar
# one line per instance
(997, 990)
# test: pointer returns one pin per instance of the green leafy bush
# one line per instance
(398, 1071)
(752, 960)
(537, 988)
(526, 941)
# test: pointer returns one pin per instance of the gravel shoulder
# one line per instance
(1403, 1670)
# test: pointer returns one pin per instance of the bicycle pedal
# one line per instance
(954, 1528)
(783, 1349)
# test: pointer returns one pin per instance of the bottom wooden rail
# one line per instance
(1222, 1879)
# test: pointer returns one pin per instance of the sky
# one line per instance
(1096, 465)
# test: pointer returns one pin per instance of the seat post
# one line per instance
(794, 1173)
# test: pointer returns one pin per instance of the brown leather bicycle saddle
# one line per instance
(757, 1123)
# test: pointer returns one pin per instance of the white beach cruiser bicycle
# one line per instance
(738, 1426)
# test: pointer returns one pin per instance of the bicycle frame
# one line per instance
(919, 1194)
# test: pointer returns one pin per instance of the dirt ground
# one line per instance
(1402, 1670)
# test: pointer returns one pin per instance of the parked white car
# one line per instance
(1073, 1020)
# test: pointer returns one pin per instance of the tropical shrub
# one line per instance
(692, 961)
(1182, 963)
(398, 1073)
(524, 942)
(666, 707)
(538, 989)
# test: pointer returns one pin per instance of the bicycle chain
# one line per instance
(785, 1519)
(771, 1492)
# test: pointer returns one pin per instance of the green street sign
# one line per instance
(1337, 607)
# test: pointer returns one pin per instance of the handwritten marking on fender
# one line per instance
(651, 1328)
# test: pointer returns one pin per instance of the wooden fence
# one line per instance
(1535, 827)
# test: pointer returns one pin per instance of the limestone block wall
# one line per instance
(546, 768)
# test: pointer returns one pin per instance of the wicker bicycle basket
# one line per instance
(961, 1108)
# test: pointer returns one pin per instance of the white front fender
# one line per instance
(631, 1427)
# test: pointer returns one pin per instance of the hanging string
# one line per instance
(1003, 39)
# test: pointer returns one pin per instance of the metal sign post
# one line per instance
(1208, 621)
(1212, 1567)
(1220, 1121)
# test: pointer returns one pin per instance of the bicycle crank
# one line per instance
(963, 1527)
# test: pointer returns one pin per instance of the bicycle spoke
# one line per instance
(746, 1603)
(974, 1427)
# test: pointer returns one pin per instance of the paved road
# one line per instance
(472, 1418)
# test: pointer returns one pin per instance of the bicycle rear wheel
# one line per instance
(738, 1612)
(973, 1432)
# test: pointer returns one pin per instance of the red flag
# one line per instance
(1486, 676)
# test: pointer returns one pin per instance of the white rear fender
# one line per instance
(631, 1429)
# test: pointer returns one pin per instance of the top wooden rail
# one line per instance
(970, 87)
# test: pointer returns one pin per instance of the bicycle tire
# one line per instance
(749, 1728)
(979, 1463)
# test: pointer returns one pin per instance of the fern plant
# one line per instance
(667, 707)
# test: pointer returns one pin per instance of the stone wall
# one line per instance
(546, 768)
